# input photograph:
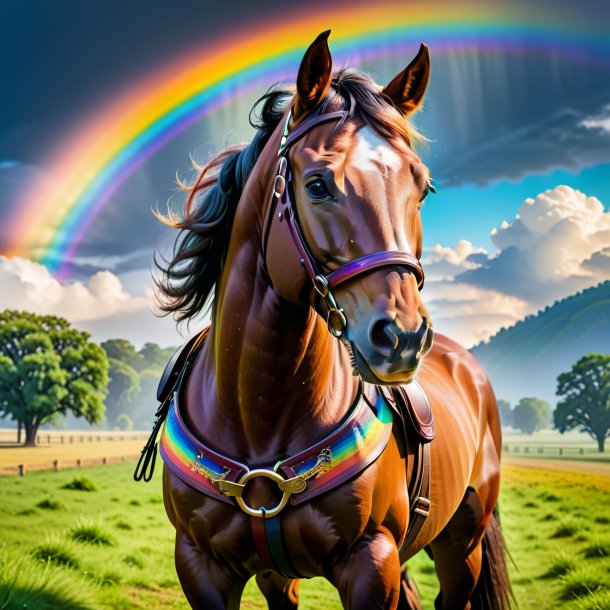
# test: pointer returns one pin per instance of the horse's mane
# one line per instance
(187, 280)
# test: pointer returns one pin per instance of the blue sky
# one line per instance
(470, 211)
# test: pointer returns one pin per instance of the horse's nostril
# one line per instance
(382, 338)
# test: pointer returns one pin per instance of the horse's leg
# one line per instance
(281, 593)
(409, 595)
(369, 576)
(457, 554)
(206, 584)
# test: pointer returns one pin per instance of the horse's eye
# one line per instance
(317, 190)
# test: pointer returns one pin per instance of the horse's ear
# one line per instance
(315, 74)
(408, 88)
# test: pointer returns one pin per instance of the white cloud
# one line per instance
(600, 122)
(469, 314)
(558, 244)
(102, 306)
(444, 262)
(553, 248)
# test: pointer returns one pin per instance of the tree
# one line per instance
(48, 368)
(123, 350)
(506, 413)
(586, 402)
(155, 357)
(123, 387)
(531, 414)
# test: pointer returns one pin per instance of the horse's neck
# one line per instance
(271, 379)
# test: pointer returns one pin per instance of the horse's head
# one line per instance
(349, 189)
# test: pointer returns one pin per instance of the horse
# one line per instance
(285, 457)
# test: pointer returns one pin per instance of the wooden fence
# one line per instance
(547, 450)
(56, 465)
(9, 437)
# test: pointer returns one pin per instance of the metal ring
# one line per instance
(258, 512)
(279, 186)
(320, 283)
(336, 314)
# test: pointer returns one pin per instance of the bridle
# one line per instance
(283, 192)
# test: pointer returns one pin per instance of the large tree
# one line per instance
(48, 368)
(586, 398)
(531, 414)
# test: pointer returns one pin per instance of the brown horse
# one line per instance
(315, 227)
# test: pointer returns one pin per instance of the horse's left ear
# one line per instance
(408, 88)
(315, 74)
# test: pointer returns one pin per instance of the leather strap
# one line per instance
(418, 493)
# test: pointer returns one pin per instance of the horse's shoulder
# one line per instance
(452, 363)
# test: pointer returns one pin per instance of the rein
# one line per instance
(283, 194)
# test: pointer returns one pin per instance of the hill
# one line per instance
(525, 359)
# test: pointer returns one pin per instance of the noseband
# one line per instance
(323, 284)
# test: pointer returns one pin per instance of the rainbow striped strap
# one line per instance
(357, 443)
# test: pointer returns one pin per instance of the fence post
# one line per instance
(22, 470)
(78, 463)
(56, 465)
(104, 461)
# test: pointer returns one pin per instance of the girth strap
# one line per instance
(267, 536)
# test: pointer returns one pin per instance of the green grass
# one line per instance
(48, 504)
(87, 532)
(80, 484)
(55, 557)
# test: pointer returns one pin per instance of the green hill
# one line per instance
(525, 359)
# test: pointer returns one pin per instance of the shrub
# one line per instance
(123, 525)
(134, 561)
(560, 566)
(57, 553)
(88, 532)
(598, 548)
(48, 504)
(80, 484)
(582, 581)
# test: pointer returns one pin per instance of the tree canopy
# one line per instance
(585, 389)
(134, 376)
(531, 414)
(48, 368)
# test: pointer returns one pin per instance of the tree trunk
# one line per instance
(31, 431)
(601, 440)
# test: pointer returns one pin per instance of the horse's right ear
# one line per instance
(315, 74)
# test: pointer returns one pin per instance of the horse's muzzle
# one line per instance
(389, 355)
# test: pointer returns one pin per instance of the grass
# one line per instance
(80, 484)
(74, 569)
(89, 532)
(57, 553)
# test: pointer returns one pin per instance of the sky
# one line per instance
(517, 117)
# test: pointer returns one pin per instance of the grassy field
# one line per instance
(112, 547)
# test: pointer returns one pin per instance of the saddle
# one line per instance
(403, 409)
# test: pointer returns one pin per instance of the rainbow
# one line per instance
(87, 169)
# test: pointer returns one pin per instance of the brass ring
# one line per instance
(259, 512)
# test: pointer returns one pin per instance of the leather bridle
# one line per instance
(283, 192)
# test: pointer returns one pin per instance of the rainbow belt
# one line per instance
(356, 444)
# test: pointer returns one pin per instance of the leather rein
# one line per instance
(284, 196)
